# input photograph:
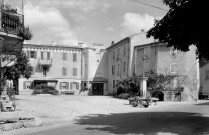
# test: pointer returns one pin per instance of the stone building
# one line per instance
(204, 78)
(94, 69)
(160, 59)
(137, 55)
(54, 65)
(120, 58)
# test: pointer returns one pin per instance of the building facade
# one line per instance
(160, 59)
(54, 65)
(120, 58)
(204, 78)
(94, 69)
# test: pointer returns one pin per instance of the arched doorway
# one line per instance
(159, 95)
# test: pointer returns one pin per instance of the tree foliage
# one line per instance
(184, 24)
(21, 68)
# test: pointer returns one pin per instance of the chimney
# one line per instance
(112, 43)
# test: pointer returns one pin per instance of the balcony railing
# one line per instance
(46, 62)
(10, 21)
(7, 60)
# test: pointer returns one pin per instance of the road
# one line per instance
(163, 119)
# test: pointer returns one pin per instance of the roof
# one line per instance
(119, 42)
(151, 44)
(52, 46)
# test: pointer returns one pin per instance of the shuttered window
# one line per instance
(74, 57)
(74, 71)
(64, 71)
(48, 55)
(64, 56)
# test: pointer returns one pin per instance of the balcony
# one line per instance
(45, 62)
(10, 21)
(7, 60)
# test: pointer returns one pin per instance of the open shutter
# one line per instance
(71, 86)
(67, 85)
(24, 85)
(60, 85)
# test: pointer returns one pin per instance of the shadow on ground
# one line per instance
(148, 123)
(206, 103)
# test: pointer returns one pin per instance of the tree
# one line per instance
(184, 24)
(21, 68)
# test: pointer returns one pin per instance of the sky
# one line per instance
(69, 22)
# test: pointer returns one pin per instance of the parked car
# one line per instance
(203, 95)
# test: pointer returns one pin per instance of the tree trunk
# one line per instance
(15, 85)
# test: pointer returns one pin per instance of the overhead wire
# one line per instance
(149, 5)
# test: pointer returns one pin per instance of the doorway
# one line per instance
(97, 88)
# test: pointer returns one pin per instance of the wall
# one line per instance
(55, 70)
(188, 77)
(204, 79)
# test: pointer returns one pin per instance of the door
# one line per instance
(97, 88)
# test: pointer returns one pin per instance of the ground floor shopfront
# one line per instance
(71, 86)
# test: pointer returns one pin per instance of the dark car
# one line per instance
(203, 95)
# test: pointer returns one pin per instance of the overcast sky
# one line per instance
(89, 21)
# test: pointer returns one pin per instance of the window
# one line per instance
(74, 57)
(64, 85)
(124, 66)
(118, 54)
(64, 71)
(113, 83)
(42, 55)
(48, 55)
(124, 50)
(173, 68)
(74, 71)
(113, 69)
(118, 69)
(27, 85)
(33, 54)
(64, 56)
(74, 86)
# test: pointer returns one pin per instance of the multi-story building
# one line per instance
(136, 55)
(120, 58)
(54, 65)
(94, 69)
(204, 78)
(160, 59)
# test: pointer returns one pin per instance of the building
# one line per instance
(94, 69)
(10, 42)
(54, 65)
(137, 55)
(120, 58)
(204, 78)
(160, 59)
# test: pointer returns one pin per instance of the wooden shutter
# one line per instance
(24, 85)
(60, 85)
(71, 86)
(67, 85)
